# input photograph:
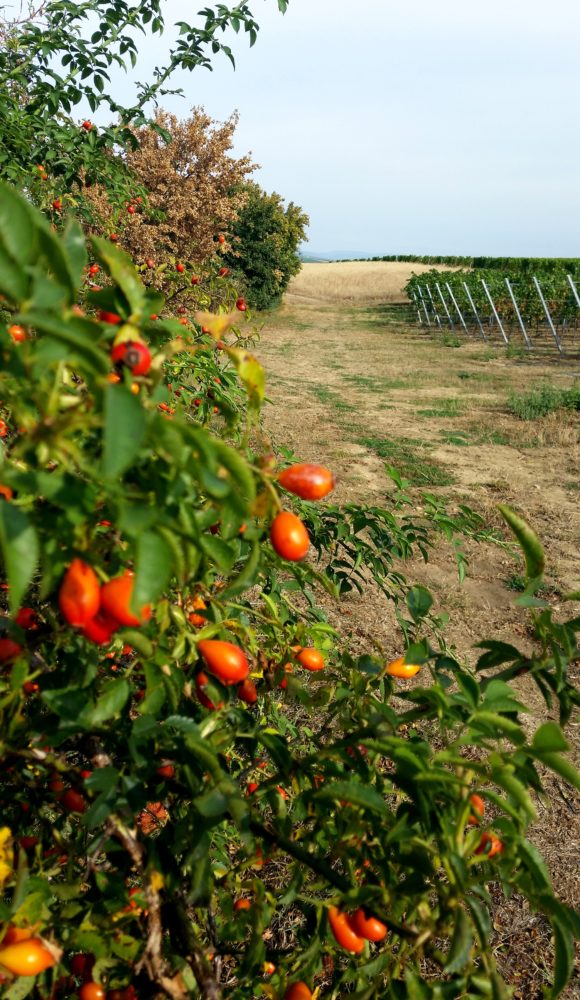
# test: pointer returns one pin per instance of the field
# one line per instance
(357, 389)
(365, 282)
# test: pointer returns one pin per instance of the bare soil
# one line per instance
(356, 386)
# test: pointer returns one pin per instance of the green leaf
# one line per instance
(67, 703)
(152, 568)
(563, 958)
(20, 988)
(561, 766)
(500, 697)
(123, 274)
(548, 903)
(114, 697)
(277, 748)
(124, 430)
(493, 725)
(535, 864)
(14, 282)
(550, 738)
(20, 551)
(18, 234)
(251, 373)
(76, 251)
(481, 918)
(460, 943)
(415, 988)
(138, 641)
(213, 803)
(58, 262)
(356, 794)
(238, 470)
(528, 541)
(498, 652)
(505, 778)
(247, 575)
(220, 552)
(76, 333)
(419, 602)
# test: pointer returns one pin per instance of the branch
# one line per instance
(321, 867)
(179, 923)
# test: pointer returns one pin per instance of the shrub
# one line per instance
(265, 241)
(543, 399)
(142, 799)
(193, 193)
(50, 63)
(171, 825)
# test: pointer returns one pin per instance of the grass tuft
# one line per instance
(408, 456)
(444, 408)
(543, 399)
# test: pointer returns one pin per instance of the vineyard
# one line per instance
(531, 307)
(536, 265)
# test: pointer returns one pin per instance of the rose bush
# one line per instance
(144, 792)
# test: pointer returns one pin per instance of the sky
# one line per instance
(421, 127)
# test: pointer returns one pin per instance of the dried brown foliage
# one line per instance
(193, 192)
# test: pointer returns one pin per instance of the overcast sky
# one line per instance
(413, 126)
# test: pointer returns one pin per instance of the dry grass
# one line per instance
(355, 281)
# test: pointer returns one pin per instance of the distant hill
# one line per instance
(314, 258)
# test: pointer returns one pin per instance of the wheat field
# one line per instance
(355, 281)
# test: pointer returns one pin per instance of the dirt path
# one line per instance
(356, 389)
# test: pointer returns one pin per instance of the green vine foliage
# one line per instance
(360, 783)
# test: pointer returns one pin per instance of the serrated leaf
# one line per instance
(20, 551)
